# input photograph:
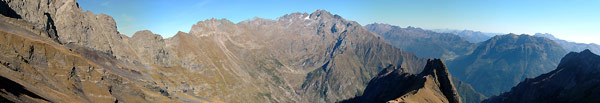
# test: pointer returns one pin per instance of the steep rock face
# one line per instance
(65, 22)
(424, 43)
(394, 85)
(150, 48)
(45, 71)
(68, 23)
(575, 80)
(503, 61)
(571, 46)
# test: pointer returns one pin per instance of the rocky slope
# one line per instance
(575, 80)
(571, 46)
(35, 69)
(300, 57)
(467, 93)
(503, 61)
(433, 85)
(424, 43)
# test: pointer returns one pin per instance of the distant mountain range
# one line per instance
(472, 36)
(571, 46)
(490, 67)
(575, 80)
(53, 51)
(424, 43)
(501, 62)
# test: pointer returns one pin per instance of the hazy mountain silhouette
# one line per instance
(571, 46)
(424, 43)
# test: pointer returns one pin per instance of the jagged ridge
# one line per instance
(394, 85)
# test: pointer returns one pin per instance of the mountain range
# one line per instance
(74, 56)
(472, 36)
(53, 51)
(571, 46)
(424, 43)
(501, 62)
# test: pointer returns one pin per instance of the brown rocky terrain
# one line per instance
(59, 53)
(575, 80)
(394, 85)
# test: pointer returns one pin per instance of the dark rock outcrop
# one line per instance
(392, 84)
(575, 80)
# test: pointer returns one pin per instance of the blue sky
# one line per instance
(573, 20)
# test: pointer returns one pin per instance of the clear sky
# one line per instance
(573, 20)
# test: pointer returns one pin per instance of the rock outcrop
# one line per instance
(575, 80)
(67, 23)
(433, 85)
(500, 63)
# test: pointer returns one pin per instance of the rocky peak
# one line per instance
(434, 84)
(212, 26)
(585, 57)
(146, 35)
(547, 35)
(180, 33)
(321, 14)
(437, 68)
(295, 16)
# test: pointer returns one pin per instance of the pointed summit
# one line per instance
(211, 26)
(145, 34)
(321, 14)
(437, 68)
(586, 51)
(392, 85)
